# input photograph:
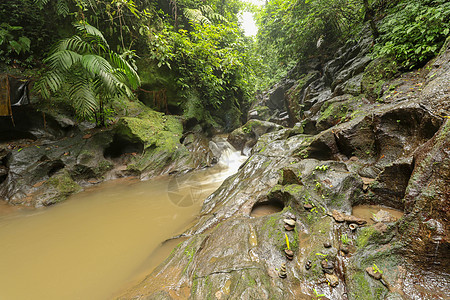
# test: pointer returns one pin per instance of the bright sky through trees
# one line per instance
(247, 21)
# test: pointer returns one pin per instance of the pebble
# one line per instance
(327, 266)
(344, 249)
(288, 227)
(307, 206)
(291, 216)
(308, 265)
(282, 273)
(289, 254)
(332, 279)
(327, 244)
(289, 222)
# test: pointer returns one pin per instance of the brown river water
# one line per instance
(102, 240)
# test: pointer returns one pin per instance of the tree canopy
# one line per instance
(197, 47)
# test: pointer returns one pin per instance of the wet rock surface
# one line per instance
(46, 157)
(345, 149)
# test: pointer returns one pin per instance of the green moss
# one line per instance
(333, 112)
(365, 235)
(360, 287)
(64, 185)
(293, 189)
(294, 94)
(189, 251)
(152, 129)
(248, 127)
(275, 231)
(375, 76)
(103, 166)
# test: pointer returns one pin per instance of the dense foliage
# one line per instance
(211, 58)
(414, 31)
(195, 49)
(85, 69)
(290, 29)
(410, 32)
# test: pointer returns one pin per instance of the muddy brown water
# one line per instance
(100, 241)
(366, 212)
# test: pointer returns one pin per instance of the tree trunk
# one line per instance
(369, 16)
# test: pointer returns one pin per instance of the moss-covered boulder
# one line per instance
(57, 189)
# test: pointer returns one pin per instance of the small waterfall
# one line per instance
(225, 153)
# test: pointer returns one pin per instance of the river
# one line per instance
(102, 240)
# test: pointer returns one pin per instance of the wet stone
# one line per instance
(380, 227)
(383, 216)
(373, 273)
(289, 222)
(307, 206)
(332, 279)
(308, 265)
(289, 254)
(288, 227)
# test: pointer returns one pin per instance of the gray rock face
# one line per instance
(392, 154)
(43, 163)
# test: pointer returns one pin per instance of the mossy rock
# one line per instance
(376, 74)
(58, 188)
(151, 128)
(263, 112)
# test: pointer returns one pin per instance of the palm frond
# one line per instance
(63, 60)
(62, 8)
(91, 30)
(95, 64)
(132, 76)
(40, 3)
(208, 12)
(50, 83)
(74, 43)
(83, 98)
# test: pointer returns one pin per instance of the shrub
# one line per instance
(414, 32)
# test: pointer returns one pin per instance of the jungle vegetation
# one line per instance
(192, 54)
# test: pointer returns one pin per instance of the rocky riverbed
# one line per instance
(46, 156)
(360, 133)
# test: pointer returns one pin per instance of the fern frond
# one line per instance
(62, 8)
(208, 12)
(195, 16)
(40, 3)
(91, 30)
